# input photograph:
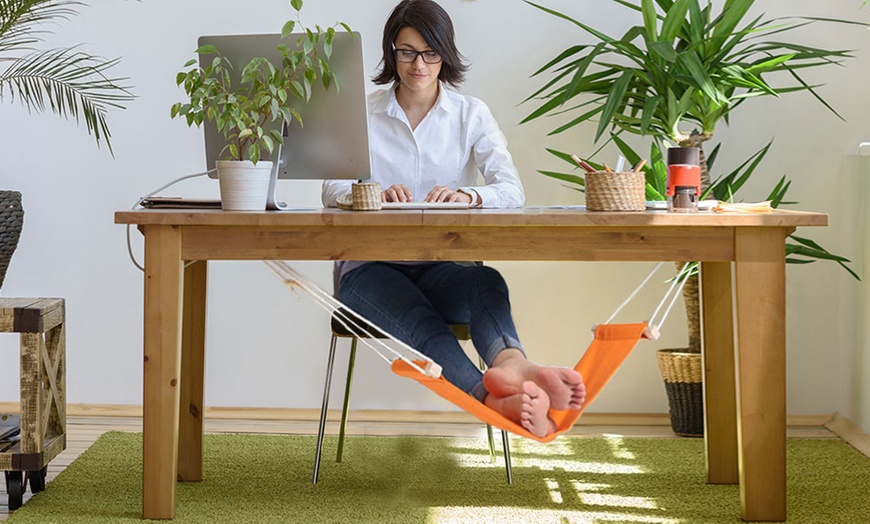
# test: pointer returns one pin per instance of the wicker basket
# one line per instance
(609, 191)
(11, 222)
(366, 196)
(683, 377)
(345, 202)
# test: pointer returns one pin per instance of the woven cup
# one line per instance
(620, 191)
(366, 196)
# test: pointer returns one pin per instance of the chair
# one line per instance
(339, 330)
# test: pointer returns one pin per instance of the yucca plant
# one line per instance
(681, 71)
(674, 77)
(66, 81)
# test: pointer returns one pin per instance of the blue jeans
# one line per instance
(416, 303)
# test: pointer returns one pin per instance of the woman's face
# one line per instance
(417, 76)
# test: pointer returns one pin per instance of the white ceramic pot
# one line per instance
(244, 185)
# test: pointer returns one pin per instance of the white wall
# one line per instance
(267, 347)
(858, 402)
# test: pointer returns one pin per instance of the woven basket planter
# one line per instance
(683, 377)
(609, 191)
(11, 222)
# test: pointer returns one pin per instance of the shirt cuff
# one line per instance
(475, 197)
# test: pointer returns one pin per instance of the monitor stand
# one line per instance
(271, 203)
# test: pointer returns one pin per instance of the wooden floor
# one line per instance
(82, 431)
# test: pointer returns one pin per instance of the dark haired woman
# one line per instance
(431, 143)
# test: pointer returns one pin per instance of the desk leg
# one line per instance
(192, 372)
(720, 393)
(760, 295)
(162, 366)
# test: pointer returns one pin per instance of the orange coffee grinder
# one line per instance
(684, 179)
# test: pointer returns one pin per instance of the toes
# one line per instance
(535, 406)
(571, 376)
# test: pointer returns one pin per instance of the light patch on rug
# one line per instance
(497, 514)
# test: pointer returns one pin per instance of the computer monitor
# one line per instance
(333, 140)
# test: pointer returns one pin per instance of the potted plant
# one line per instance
(67, 81)
(248, 111)
(674, 77)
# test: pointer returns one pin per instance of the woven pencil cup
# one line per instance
(366, 196)
(684, 385)
(621, 191)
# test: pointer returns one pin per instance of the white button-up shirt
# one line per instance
(456, 143)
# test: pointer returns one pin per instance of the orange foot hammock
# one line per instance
(608, 350)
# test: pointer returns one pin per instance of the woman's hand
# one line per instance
(445, 194)
(396, 193)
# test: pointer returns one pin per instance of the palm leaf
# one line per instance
(577, 180)
(22, 22)
(70, 83)
(614, 101)
(66, 81)
(811, 251)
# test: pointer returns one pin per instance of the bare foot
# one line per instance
(511, 369)
(528, 408)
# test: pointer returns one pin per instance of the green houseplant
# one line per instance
(65, 81)
(673, 77)
(248, 110)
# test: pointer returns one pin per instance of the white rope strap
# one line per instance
(674, 293)
(653, 330)
(351, 320)
(635, 292)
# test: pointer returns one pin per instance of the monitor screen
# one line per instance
(333, 141)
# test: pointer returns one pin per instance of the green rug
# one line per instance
(255, 478)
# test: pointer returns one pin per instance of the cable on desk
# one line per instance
(149, 195)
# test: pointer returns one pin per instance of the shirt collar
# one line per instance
(447, 101)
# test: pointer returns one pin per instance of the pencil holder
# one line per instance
(615, 191)
(366, 196)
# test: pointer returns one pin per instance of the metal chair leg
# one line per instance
(491, 440)
(504, 441)
(346, 407)
(489, 437)
(507, 456)
(323, 410)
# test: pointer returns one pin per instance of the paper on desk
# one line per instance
(744, 207)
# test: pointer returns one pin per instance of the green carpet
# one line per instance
(255, 478)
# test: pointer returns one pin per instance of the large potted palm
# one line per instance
(66, 81)
(673, 77)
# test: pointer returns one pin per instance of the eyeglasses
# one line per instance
(409, 55)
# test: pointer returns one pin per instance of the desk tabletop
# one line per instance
(530, 216)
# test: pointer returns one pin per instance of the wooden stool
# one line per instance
(41, 323)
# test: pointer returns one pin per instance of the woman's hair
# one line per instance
(434, 25)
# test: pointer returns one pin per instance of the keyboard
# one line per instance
(425, 205)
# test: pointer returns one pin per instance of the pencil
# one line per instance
(583, 165)
(607, 168)
(638, 166)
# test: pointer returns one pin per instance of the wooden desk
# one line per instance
(745, 428)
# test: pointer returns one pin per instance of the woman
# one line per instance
(432, 143)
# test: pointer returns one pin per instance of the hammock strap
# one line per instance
(352, 321)
(654, 327)
(635, 292)
(673, 294)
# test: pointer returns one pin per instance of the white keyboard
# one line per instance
(425, 205)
